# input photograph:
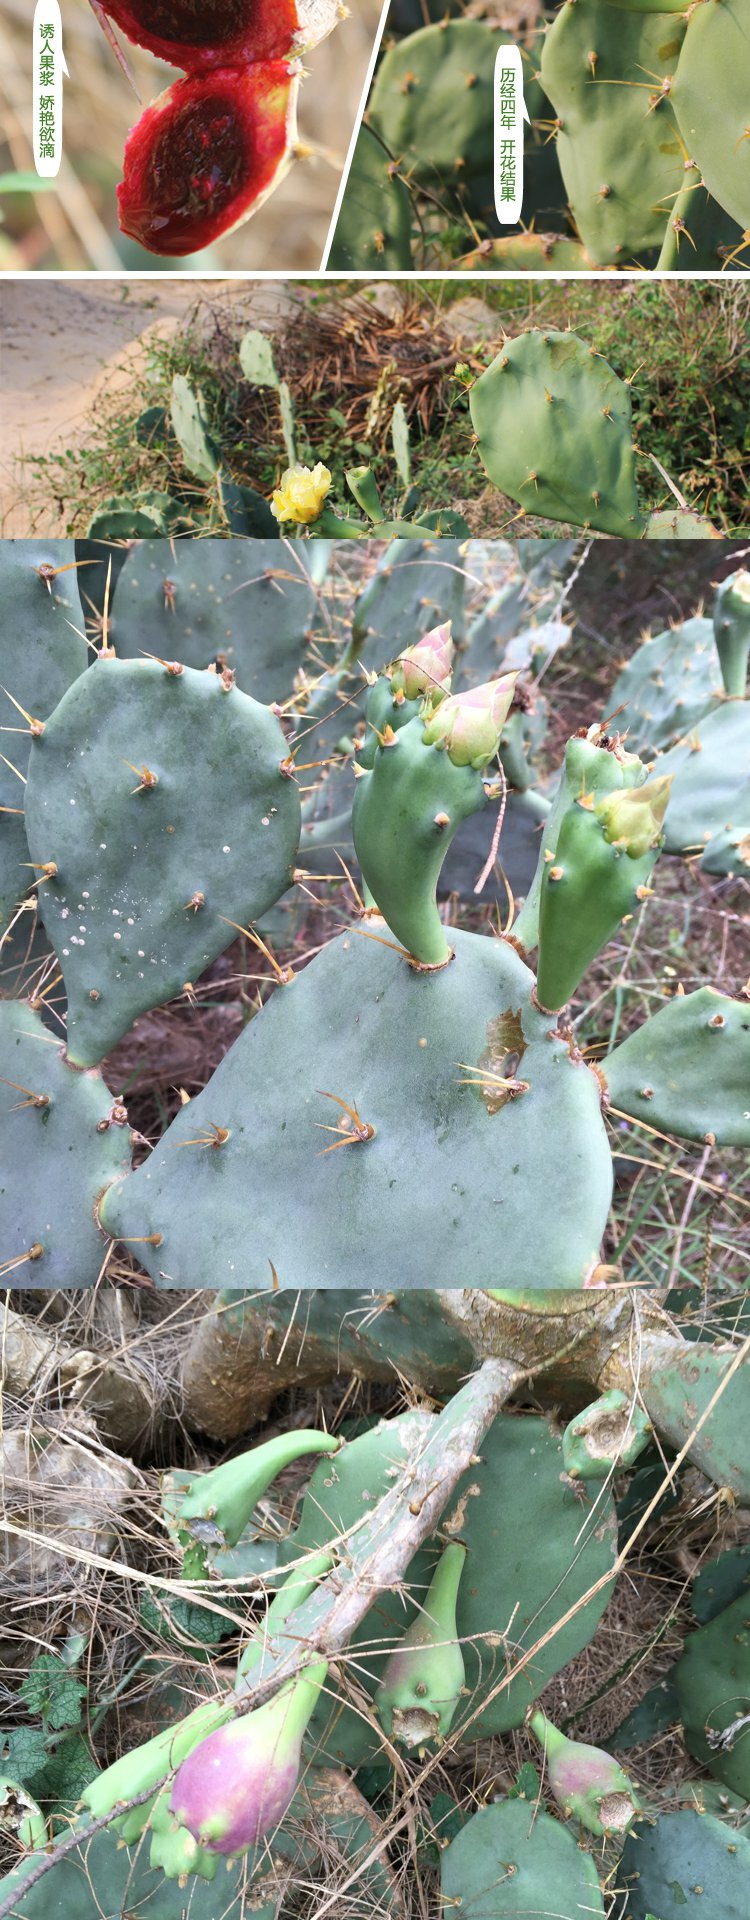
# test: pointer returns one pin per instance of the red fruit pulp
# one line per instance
(203, 156)
(198, 34)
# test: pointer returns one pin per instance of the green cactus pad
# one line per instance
(668, 684)
(603, 68)
(511, 1862)
(711, 101)
(687, 1069)
(201, 600)
(679, 523)
(684, 1866)
(433, 100)
(732, 629)
(510, 1191)
(709, 807)
(64, 1139)
(554, 431)
(42, 654)
(713, 1687)
(148, 875)
(101, 1880)
(373, 230)
(533, 1551)
(677, 1391)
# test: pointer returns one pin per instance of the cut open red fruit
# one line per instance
(200, 34)
(205, 154)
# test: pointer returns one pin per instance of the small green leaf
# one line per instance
(25, 1754)
(50, 1690)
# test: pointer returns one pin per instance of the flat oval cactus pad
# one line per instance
(436, 1175)
(159, 797)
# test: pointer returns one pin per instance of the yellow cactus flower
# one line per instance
(301, 494)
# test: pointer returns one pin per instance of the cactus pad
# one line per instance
(160, 799)
(709, 807)
(511, 1862)
(554, 431)
(670, 1867)
(373, 230)
(42, 654)
(711, 101)
(687, 1069)
(432, 101)
(101, 1880)
(667, 685)
(608, 71)
(64, 1138)
(713, 1687)
(512, 1185)
(200, 601)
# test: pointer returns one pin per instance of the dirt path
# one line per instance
(63, 343)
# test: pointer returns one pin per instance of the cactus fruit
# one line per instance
(710, 101)
(686, 1070)
(709, 808)
(64, 1139)
(206, 154)
(228, 1496)
(554, 431)
(375, 1053)
(605, 1438)
(669, 1867)
(510, 1862)
(37, 592)
(588, 1785)
(609, 72)
(373, 229)
(595, 763)
(603, 863)
(212, 35)
(712, 1679)
(147, 883)
(425, 779)
(732, 629)
(209, 601)
(670, 681)
(237, 1785)
(421, 1687)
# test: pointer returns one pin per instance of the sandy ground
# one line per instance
(63, 343)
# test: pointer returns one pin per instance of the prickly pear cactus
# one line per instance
(710, 101)
(554, 431)
(709, 808)
(101, 1880)
(713, 1688)
(43, 652)
(532, 1551)
(687, 1069)
(373, 230)
(432, 101)
(204, 601)
(667, 685)
(669, 1867)
(511, 1862)
(158, 794)
(64, 1139)
(610, 73)
(450, 1084)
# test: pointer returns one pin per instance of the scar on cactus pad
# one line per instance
(208, 151)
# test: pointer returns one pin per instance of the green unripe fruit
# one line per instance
(606, 1437)
(422, 1683)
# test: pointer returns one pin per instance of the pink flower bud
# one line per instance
(425, 669)
(470, 724)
